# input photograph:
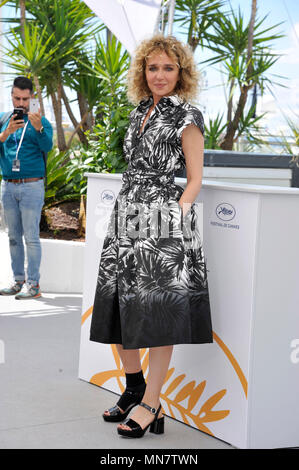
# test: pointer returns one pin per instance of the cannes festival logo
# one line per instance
(107, 196)
(225, 211)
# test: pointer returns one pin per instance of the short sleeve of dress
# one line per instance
(190, 116)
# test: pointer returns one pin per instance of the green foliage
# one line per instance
(98, 72)
(105, 144)
(109, 65)
(213, 132)
(69, 25)
(29, 56)
(196, 17)
(291, 148)
(222, 30)
(58, 50)
(229, 42)
(59, 184)
(249, 127)
(77, 76)
(59, 27)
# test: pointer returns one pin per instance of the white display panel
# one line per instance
(217, 388)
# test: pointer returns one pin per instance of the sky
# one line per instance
(282, 101)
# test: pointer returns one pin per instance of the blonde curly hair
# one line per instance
(187, 85)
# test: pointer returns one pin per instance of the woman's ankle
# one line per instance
(134, 380)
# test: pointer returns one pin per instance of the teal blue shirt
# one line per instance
(31, 152)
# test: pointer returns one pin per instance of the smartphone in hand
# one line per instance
(19, 114)
(34, 105)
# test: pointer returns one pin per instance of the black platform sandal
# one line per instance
(127, 401)
(156, 426)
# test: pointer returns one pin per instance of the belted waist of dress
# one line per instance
(133, 175)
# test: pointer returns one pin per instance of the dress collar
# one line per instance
(145, 104)
(172, 100)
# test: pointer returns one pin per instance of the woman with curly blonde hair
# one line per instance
(187, 84)
(152, 288)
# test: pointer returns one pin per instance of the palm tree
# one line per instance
(197, 16)
(18, 4)
(242, 50)
(23, 17)
(245, 54)
(29, 55)
(228, 140)
(89, 90)
(99, 78)
(67, 23)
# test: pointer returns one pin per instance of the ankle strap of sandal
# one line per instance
(154, 411)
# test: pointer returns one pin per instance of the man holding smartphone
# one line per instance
(24, 138)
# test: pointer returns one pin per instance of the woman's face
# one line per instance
(162, 75)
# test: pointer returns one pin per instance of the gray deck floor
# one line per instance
(43, 403)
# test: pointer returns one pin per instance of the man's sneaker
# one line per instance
(14, 289)
(32, 292)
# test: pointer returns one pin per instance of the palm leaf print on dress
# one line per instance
(152, 287)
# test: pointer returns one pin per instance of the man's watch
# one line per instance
(41, 130)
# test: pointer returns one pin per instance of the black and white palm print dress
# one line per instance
(152, 287)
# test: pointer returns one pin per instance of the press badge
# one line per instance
(16, 165)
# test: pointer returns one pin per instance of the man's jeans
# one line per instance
(22, 205)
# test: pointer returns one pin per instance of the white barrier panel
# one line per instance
(243, 387)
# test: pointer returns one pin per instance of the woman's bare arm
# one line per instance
(193, 148)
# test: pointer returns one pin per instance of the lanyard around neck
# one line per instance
(21, 140)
